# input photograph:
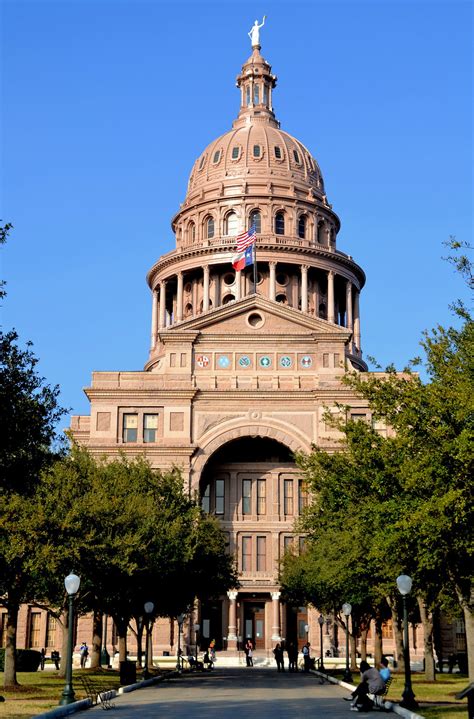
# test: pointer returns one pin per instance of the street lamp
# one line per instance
(149, 607)
(71, 583)
(197, 627)
(180, 618)
(347, 609)
(404, 583)
(321, 625)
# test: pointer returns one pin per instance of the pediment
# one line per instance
(242, 317)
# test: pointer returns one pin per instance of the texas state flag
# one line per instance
(243, 259)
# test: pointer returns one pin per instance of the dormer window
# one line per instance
(235, 152)
(217, 157)
(257, 151)
(278, 153)
(296, 156)
(201, 164)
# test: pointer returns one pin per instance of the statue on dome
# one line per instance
(254, 34)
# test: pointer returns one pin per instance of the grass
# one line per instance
(437, 699)
(40, 691)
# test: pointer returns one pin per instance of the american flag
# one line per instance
(246, 239)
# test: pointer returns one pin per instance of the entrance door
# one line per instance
(254, 621)
(211, 624)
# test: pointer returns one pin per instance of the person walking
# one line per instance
(307, 656)
(249, 652)
(278, 654)
(292, 652)
(42, 658)
(84, 651)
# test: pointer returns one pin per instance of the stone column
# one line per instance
(179, 298)
(205, 291)
(331, 296)
(357, 320)
(162, 320)
(238, 284)
(272, 288)
(232, 630)
(154, 318)
(304, 288)
(349, 316)
(276, 617)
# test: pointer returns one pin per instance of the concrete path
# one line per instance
(231, 693)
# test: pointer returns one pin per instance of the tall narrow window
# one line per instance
(210, 228)
(246, 554)
(35, 626)
(302, 544)
(248, 95)
(302, 227)
(130, 427)
(51, 631)
(206, 500)
(265, 95)
(256, 95)
(261, 496)
(246, 496)
(288, 496)
(220, 496)
(191, 232)
(288, 544)
(261, 554)
(256, 219)
(278, 152)
(150, 427)
(279, 223)
(235, 152)
(231, 224)
(257, 151)
(302, 495)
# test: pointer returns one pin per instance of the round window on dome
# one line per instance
(282, 279)
(229, 278)
(228, 298)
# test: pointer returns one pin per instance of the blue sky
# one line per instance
(108, 103)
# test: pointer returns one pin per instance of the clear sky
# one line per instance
(107, 103)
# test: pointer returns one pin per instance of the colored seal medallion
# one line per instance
(306, 361)
(202, 360)
(244, 361)
(223, 362)
(265, 361)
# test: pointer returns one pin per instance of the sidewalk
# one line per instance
(231, 693)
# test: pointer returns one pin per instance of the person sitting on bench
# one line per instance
(370, 683)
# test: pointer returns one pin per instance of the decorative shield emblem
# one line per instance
(306, 361)
(202, 361)
(265, 361)
(244, 361)
(285, 361)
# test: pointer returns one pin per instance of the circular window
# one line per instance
(255, 320)
(259, 278)
(282, 298)
(227, 299)
(229, 278)
(282, 279)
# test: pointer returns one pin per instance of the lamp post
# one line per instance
(149, 607)
(347, 609)
(321, 625)
(197, 627)
(72, 583)
(306, 628)
(404, 583)
(180, 618)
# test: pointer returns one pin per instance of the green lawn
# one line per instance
(40, 691)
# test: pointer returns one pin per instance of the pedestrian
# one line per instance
(248, 649)
(370, 683)
(55, 658)
(42, 658)
(278, 654)
(212, 652)
(84, 651)
(307, 656)
(292, 652)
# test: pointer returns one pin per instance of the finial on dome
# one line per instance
(254, 33)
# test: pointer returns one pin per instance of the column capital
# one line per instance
(331, 273)
(276, 596)
(272, 263)
(232, 594)
(304, 268)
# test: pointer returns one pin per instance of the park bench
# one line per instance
(379, 699)
(96, 694)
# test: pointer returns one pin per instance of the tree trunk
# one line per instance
(353, 651)
(96, 639)
(427, 622)
(467, 605)
(64, 624)
(397, 635)
(9, 677)
(122, 627)
(363, 642)
(378, 640)
(140, 627)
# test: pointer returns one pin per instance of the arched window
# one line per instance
(228, 298)
(247, 94)
(302, 227)
(321, 232)
(256, 219)
(191, 232)
(280, 223)
(210, 228)
(282, 298)
(256, 95)
(231, 224)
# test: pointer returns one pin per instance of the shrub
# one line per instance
(27, 660)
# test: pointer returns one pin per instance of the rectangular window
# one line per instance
(387, 629)
(261, 554)
(248, 94)
(246, 554)
(302, 496)
(130, 427)
(301, 629)
(325, 359)
(51, 631)
(265, 95)
(288, 497)
(150, 427)
(261, 496)
(288, 544)
(220, 488)
(302, 544)
(247, 496)
(235, 152)
(337, 359)
(206, 500)
(256, 95)
(35, 626)
(358, 417)
(3, 629)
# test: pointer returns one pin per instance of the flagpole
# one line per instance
(255, 267)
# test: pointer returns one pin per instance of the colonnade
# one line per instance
(345, 313)
(232, 637)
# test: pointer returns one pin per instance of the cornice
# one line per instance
(94, 393)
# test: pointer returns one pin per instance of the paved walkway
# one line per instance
(234, 693)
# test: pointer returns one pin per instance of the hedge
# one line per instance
(27, 660)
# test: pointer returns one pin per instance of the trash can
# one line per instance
(128, 673)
